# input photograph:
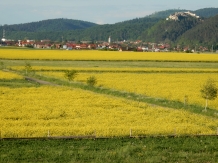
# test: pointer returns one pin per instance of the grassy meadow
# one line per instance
(137, 94)
(117, 150)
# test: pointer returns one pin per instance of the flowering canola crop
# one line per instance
(9, 75)
(172, 86)
(63, 111)
(127, 69)
(102, 55)
(30, 112)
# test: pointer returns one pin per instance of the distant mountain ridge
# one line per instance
(151, 28)
(207, 12)
(51, 25)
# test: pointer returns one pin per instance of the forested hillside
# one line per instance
(207, 12)
(169, 30)
(131, 29)
(152, 28)
(120, 31)
(206, 33)
(50, 25)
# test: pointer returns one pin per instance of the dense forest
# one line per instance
(126, 30)
(204, 33)
(169, 30)
(206, 12)
(152, 28)
(50, 25)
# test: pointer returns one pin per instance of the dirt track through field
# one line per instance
(39, 81)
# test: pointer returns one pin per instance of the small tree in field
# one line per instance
(91, 81)
(209, 91)
(70, 74)
(28, 67)
(2, 65)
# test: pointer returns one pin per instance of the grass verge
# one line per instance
(17, 83)
(117, 150)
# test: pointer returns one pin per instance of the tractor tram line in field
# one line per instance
(111, 95)
(153, 101)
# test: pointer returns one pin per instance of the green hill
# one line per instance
(207, 12)
(120, 31)
(169, 30)
(204, 33)
(152, 28)
(50, 25)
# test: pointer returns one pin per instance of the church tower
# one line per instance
(3, 38)
(109, 39)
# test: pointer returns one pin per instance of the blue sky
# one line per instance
(96, 11)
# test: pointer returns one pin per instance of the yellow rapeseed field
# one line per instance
(102, 55)
(30, 112)
(126, 69)
(172, 86)
(9, 75)
(64, 111)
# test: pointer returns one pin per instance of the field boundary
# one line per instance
(111, 60)
(51, 138)
(95, 136)
(101, 137)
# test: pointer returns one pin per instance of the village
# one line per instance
(137, 45)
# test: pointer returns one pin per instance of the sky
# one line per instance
(96, 11)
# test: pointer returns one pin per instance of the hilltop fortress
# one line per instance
(177, 15)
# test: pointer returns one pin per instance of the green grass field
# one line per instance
(119, 150)
(111, 64)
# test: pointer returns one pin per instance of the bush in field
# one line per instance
(92, 81)
(70, 74)
(2, 65)
(209, 91)
(28, 67)
(188, 51)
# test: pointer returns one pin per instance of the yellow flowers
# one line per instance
(102, 55)
(172, 86)
(9, 75)
(132, 70)
(63, 111)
